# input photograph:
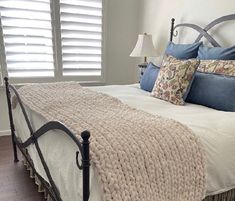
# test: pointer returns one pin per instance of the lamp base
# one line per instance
(142, 68)
(143, 65)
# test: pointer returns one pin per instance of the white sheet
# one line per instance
(216, 130)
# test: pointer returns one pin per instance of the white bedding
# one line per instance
(215, 128)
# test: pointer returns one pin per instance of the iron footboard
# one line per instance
(83, 147)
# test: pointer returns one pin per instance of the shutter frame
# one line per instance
(85, 31)
(36, 35)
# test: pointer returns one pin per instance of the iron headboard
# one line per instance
(203, 32)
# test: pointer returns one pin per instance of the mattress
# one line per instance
(216, 130)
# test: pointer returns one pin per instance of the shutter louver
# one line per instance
(81, 34)
(27, 35)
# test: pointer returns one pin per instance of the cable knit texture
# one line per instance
(138, 156)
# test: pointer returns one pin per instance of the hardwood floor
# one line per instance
(15, 184)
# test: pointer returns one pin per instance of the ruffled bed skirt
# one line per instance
(226, 196)
(41, 189)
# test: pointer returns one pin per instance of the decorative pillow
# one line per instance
(174, 79)
(183, 51)
(149, 77)
(219, 53)
(214, 91)
(222, 67)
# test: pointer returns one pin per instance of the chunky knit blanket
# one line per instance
(138, 156)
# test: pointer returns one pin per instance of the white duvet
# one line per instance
(216, 130)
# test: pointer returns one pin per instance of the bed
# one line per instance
(75, 181)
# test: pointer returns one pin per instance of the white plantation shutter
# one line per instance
(51, 38)
(27, 37)
(81, 35)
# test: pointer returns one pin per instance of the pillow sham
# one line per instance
(214, 91)
(149, 77)
(219, 53)
(174, 79)
(223, 67)
(183, 51)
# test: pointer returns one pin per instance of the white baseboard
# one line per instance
(5, 133)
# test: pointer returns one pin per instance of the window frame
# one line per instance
(57, 54)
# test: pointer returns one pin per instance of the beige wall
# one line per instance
(120, 36)
(156, 16)
(3, 111)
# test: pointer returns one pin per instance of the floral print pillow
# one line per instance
(174, 79)
(223, 67)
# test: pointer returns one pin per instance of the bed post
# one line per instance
(172, 28)
(86, 165)
(8, 94)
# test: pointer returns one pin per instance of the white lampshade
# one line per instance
(144, 47)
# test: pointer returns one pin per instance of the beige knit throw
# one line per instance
(138, 156)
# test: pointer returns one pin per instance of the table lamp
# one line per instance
(144, 48)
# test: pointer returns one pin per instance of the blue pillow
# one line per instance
(183, 51)
(218, 53)
(214, 91)
(148, 79)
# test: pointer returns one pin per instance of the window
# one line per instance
(51, 39)
(81, 33)
(27, 36)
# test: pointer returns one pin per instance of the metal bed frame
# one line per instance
(83, 147)
(203, 32)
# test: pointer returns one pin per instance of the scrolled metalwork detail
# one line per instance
(175, 33)
(77, 161)
(203, 32)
